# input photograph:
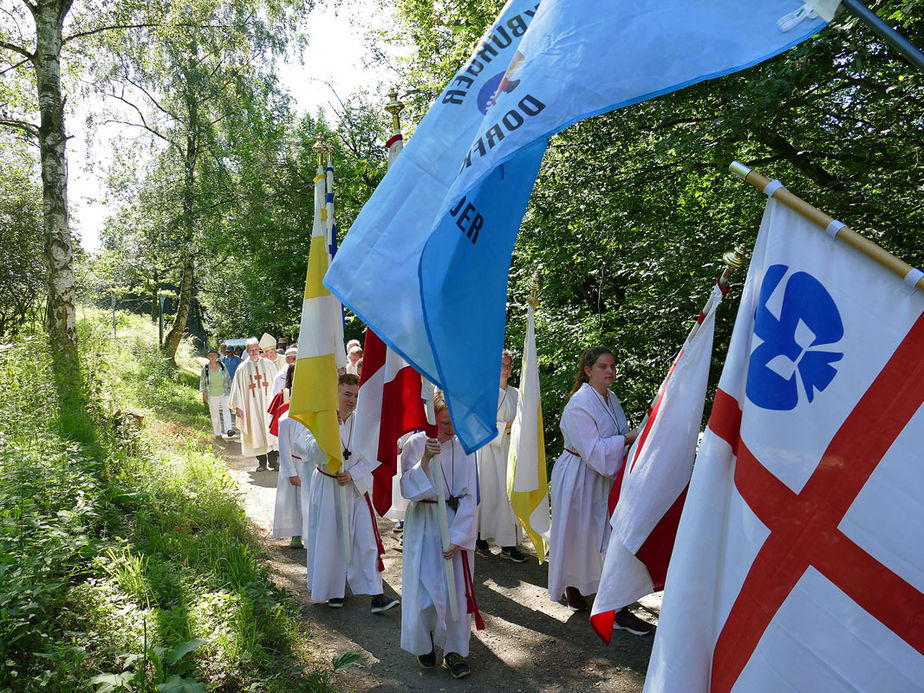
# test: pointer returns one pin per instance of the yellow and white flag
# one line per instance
(320, 343)
(527, 482)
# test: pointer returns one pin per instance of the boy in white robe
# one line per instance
(496, 519)
(426, 619)
(250, 396)
(328, 571)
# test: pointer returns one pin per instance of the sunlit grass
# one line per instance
(125, 556)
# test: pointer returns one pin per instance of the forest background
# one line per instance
(630, 217)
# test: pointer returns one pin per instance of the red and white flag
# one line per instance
(389, 405)
(655, 479)
(798, 562)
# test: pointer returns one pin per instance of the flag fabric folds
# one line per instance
(314, 398)
(655, 479)
(527, 481)
(389, 405)
(797, 564)
(432, 246)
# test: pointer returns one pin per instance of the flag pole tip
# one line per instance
(739, 169)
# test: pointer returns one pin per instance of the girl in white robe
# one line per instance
(426, 619)
(596, 436)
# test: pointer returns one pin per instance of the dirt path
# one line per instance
(529, 644)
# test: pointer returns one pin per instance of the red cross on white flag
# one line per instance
(798, 562)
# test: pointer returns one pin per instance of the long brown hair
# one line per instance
(588, 359)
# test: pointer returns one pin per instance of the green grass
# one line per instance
(126, 561)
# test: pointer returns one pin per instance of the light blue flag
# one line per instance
(426, 262)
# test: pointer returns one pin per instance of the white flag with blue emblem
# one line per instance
(426, 262)
(797, 564)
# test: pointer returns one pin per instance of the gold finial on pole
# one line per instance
(320, 147)
(734, 260)
(394, 106)
(534, 292)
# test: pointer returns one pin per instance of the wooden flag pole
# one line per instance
(841, 232)
(442, 517)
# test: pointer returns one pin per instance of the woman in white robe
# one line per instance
(426, 620)
(596, 436)
(496, 519)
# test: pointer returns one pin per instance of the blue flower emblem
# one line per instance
(791, 348)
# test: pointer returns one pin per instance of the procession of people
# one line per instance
(343, 547)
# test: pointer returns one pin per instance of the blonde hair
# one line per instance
(439, 401)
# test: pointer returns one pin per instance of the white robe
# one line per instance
(280, 382)
(288, 512)
(279, 363)
(398, 502)
(580, 490)
(495, 514)
(251, 392)
(425, 615)
(328, 572)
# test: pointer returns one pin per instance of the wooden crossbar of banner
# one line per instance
(841, 232)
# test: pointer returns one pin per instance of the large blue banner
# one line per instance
(426, 262)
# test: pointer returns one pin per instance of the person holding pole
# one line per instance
(429, 616)
(330, 566)
(597, 436)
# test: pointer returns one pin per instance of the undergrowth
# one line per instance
(126, 562)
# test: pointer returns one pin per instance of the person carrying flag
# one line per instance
(495, 515)
(426, 619)
(328, 571)
(596, 436)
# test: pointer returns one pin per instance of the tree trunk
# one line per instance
(61, 311)
(172, 340)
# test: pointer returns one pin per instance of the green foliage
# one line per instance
(22, 269)
(126, 561)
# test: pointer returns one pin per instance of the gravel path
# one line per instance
(529, 644)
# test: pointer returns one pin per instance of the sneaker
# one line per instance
(260, 468)
(458, 669)
(482, 547)
(273, 466)
(626, 620)
(512, 553)
(427, 661)
(296, 543)
(335, 602)
(230, 432)
(382, 603)
(575, 599)
(398, 528)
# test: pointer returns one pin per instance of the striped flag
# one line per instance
(654, 479)
(320, 344)
(527, 481)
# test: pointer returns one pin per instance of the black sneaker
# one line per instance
(398, 528)
(482, 547)
(458, 669)
(512, 553)
(626, 620)
(230, 432)
(273, 466)
(575, 599)
(260, 468)
(427, 661)
(382, 603)
(335, 602)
